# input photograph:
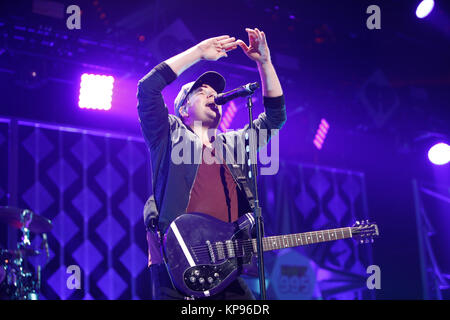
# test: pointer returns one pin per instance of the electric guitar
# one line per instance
(204, 254)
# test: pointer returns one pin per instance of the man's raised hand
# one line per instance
(257, 50)
(215, 48)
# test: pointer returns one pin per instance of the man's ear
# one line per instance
(183, 111)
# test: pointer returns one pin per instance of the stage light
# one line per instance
(228, 116)
(439, 154)
(424, 8)
(96, 91)
(321, 134)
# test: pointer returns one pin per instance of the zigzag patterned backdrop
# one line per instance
(302, 198)
(93, 187)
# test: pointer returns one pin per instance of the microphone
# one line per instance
(242, 91)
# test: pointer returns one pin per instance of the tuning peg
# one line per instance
(357, 223)
(371, 240)
(361, 241)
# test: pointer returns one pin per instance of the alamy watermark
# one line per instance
(374, 20)
(374, 280)
(74, 20)
(236, 149)
(74, 279)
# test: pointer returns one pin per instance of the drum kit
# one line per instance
(18, 279)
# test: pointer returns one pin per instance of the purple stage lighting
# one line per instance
(439, 154)
(424, 8)
(228, 116)
(321, 134)
(96, 91)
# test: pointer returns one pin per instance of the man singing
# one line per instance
(214, 188)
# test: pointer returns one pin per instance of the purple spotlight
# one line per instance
(424, 8)
(439, 154)
(96, 91)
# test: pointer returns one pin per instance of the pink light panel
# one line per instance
(96, 91)
(321, 134)
(227, 118)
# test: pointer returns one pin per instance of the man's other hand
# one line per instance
(215, 48)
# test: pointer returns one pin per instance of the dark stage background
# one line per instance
(385, 94)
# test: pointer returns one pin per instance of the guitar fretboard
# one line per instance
(238, 248)
(302, 239)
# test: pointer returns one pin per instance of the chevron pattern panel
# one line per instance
(93, 187)
(302, 198)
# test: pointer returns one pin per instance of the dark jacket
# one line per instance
(172, 183)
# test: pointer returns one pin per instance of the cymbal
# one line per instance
(12, 216)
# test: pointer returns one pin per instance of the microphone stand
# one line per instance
(257, 209)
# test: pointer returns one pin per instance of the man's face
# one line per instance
(200, 106)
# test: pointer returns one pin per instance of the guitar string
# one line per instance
(272, 240)
(248, 243)
(203, 251)
(243, 245)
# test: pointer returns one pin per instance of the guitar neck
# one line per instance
(303, 239)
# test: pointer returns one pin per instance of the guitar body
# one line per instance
(204, 254)
(196, 265)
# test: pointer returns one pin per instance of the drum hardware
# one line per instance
(18, 281)
(25, 218)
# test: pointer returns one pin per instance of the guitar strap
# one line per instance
(238, 174)
(243, 184)
(240, 177)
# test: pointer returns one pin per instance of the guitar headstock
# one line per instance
(365, 231)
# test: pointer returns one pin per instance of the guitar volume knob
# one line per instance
(201, 280)
(192, 279)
